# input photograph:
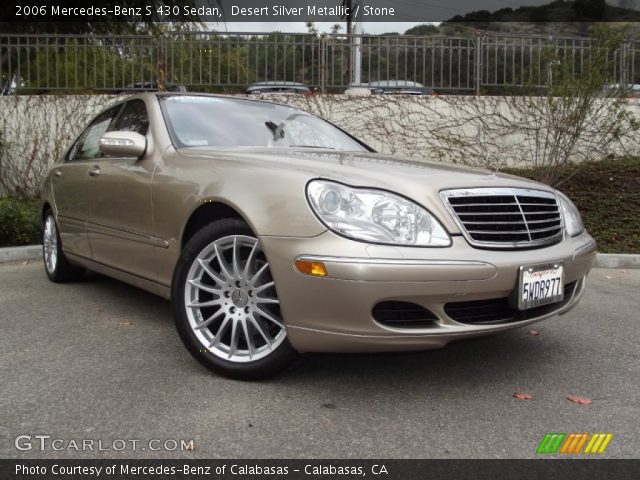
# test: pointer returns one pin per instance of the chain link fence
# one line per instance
(213, 61)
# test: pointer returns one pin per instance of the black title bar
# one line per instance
(319, 469)
(224, 11)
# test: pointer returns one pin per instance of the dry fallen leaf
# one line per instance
(534, 333)
(579, 400)
(522, 396)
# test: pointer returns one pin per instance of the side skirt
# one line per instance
(159, 289)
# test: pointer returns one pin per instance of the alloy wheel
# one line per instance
(50, 244)
(231, 301)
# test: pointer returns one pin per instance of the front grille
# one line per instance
(403, 315)
(506, 217)
(500, 310)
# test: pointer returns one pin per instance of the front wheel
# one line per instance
(226, 306)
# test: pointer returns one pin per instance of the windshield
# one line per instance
(199, 121)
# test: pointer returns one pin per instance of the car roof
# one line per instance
(277, 84)
(396, 84)
(148, 95)
(211, 95)
(267, 88)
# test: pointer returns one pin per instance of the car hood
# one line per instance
(367, 169)
(287, 169)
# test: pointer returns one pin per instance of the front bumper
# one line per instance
(334, 313)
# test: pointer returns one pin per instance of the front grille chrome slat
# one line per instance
(546, 220)
(540, 230)
(506, 217)
(491, 213)
(518, 222)
(497, 232)
(515, 205)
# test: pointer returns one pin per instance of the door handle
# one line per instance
(57, 173)
(95, 171)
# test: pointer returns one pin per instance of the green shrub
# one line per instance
(19, 221)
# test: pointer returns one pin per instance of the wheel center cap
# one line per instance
(240, 298)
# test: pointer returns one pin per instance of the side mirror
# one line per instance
(123, 144)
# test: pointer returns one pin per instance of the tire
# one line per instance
(225, 304)
(56, 265)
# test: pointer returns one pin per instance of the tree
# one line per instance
(426, 29)
(590, 9)
(577, 117)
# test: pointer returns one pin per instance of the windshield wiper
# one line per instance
(275, 129)
(278, 130)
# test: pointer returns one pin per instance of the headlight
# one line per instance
(571, 215)
(374, 216)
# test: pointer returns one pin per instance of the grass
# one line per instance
(607, 193)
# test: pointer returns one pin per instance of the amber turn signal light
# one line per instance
(316, 269)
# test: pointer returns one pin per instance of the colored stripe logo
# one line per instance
(574, 443)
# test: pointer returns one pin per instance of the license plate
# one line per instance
(540, 285)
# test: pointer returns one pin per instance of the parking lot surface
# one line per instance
(101, 360)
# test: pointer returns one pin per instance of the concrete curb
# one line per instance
(603, 260)
(15, 254)
(617, 260)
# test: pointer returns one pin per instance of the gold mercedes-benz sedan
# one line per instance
(274, 232)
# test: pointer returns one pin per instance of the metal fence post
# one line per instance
(478, 69)
(624, 72)
(161, 68)
(323, 63)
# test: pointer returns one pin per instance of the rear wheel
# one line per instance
(226, 306)
(56, 265)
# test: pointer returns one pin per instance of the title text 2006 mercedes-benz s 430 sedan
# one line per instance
(274, 232)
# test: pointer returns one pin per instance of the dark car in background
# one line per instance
(399, 87)
(286, 88)
(152, 86)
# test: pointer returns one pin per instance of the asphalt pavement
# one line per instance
(101, 361)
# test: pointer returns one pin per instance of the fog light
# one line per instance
(316, 269)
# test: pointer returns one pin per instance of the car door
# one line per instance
(69, 185)
(119, 213)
